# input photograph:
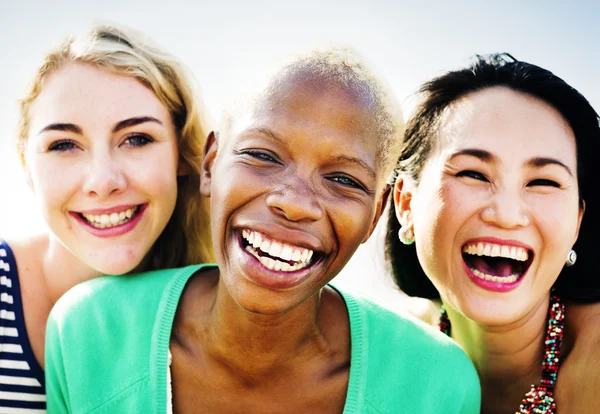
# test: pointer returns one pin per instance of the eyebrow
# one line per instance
(62, 127)
(126, 123)
(489, 157)
(357, 161)
(268, 132)
(543, 161)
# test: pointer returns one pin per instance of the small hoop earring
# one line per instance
(571, 258)
(406, 235)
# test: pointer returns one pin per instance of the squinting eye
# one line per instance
(347, 181)
(472, 174)
(543, 182)
(260, 155)
(138, 140)
(62, 145)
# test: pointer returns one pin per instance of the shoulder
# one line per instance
(102, 335)
(409, 361)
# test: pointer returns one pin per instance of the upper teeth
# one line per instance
(278, 249)
(109, 220)
(497, 250)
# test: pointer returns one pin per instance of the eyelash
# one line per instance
(145, 138)
(543, 182)
(472, 174)
(61, 145)
(347, 181)
(260, 155)
(478, 176)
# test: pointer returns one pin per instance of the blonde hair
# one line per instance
(124, 51)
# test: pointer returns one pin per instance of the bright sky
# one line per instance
(225, 41)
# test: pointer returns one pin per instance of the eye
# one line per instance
(261, 155)
(346, 181)
(544, 183)
(138, 140)
(62, 145)
(472, 174)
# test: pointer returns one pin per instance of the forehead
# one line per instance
(80, 92)
(501, 120)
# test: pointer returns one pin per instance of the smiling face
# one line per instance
(295, 188)
(497, 208)
(102, 160)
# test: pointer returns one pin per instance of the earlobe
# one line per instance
(579, 218)
(210, 154)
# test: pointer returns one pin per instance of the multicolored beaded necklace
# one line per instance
(540, 399)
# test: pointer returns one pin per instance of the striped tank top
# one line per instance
(21, 377)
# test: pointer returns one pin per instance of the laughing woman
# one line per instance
(496, 172)
(297, 181)
(111, 139)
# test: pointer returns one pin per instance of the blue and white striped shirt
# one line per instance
(22, 387)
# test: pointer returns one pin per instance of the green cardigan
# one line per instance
(107, 347)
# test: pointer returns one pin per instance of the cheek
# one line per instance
(53, 183)
(556, 218)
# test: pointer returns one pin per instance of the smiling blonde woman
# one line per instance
(111, 139)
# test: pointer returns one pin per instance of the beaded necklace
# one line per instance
(540, 399)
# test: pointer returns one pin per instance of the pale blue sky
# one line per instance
(224, 41)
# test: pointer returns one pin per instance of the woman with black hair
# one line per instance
(490, 192)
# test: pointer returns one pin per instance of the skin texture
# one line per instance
(507, 196)
(89, 165)
(289, 170)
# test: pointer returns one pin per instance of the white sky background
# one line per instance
(227, 41)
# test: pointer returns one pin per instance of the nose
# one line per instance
(104, 177)
(296, 202)
(506, 209)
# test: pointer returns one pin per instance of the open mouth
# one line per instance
(277, 255)
(497, 262)
(114, 219)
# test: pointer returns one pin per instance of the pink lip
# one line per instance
(493, 286)
(500, 242)
(112, 231)
(273, 279)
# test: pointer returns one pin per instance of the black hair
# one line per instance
(581, 282)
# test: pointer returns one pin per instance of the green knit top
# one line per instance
(107, 346)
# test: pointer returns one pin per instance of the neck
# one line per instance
(508, 358)
(61, 270)
(253, 345)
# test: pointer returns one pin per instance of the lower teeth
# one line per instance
(491, 278)
(276, 264)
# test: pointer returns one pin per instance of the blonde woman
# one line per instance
(111, 137)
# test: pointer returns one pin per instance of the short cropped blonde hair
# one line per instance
(124, 51)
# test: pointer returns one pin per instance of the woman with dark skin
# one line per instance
(297, 181)
(494, 178)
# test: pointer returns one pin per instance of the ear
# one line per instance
(403, 194)
(210, 154)
(383, 200)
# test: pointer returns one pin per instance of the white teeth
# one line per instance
(491, 278)
(277, 265)
(257, 240)
(496, 250)
(296, 255)
(103, 221)
(275, 249)
(264, 246)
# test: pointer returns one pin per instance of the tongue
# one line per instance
(493, 267)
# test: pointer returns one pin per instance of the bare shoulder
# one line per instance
(28, 255)
(579, 375)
